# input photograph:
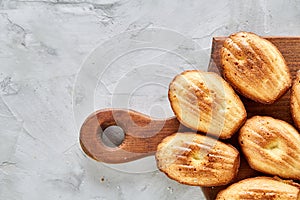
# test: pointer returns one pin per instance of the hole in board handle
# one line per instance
(113, 136)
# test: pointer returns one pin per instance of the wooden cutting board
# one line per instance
(143, 133)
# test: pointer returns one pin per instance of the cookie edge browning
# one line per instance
(293, 101)
(235, 168)
(236, 97)
(237, 89)
(288, 182)
(250, 159)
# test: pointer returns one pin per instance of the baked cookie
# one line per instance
(271, 146)
(255, 67)
(198, 160)
(204, 101)
(295, 100)
(261, 188)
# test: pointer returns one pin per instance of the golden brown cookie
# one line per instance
(261, 188)
(271, 146)
(295, 100)
(204, 101)
(194, 159)
(255, 67)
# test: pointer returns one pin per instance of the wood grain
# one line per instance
(142, 134)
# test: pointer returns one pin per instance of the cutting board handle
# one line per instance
(142, 134)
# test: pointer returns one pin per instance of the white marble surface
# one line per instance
(44, 47)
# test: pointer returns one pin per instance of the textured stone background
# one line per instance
(43, 44)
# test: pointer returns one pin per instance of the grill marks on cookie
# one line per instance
(251, 61)
(261, 188)
(195, 159)
(271, 146)
(255, 67)
(205, 102)
(295, 100)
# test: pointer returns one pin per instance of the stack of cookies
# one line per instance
(210, 105)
